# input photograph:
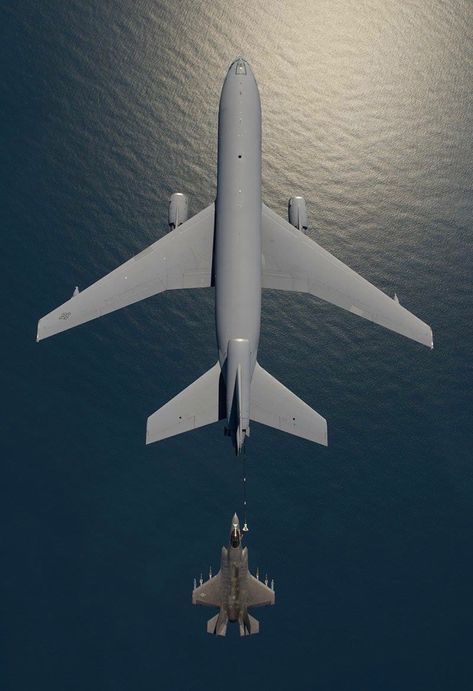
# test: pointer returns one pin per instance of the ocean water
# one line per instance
(106, 109)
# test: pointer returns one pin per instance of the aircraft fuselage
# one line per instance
(237, 261)
(239, 246)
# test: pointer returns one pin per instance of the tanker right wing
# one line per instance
(181, 259)
(294, 262)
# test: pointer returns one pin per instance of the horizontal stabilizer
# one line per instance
(198, 405)
(248, 625)
(218, 624)
(274, 405)
(212, 624)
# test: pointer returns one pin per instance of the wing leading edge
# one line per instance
(181, 259)
(294, 262)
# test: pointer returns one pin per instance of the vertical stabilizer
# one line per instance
(238, 382)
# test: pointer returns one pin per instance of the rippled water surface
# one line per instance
(107, 108)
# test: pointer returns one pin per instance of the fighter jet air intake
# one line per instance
(233, 589)
(237, 246)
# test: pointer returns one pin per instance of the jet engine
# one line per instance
(297, 213)
(178, 209)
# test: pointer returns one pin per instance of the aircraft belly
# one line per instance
(238, 287)
(237, 263)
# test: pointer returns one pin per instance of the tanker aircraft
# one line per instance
(238, 246)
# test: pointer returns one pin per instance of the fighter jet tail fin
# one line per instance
(201, 403)
(248, 625)
(274, 405)
(218, 624)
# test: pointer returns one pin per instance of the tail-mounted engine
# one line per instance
(297, 213)
(178, 209)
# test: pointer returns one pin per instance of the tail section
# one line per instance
(274, 405)
(200, 404)
(248, 625)
(239, 399)
(238, 384)
(218, 624)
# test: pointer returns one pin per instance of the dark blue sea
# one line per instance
(106, 108)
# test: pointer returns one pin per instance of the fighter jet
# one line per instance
(237, 246)
(233, 589)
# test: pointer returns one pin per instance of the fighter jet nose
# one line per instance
(235, 534)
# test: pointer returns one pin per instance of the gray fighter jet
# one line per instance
(233, 589)
(239, 246)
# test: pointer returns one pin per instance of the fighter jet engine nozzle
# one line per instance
(297, 213)
(178, 211)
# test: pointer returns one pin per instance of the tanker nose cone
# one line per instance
(240, 66)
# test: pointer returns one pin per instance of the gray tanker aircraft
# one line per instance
(233, 589)
(239, 246)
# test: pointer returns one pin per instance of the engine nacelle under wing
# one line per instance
(178, 211)
(297, 213)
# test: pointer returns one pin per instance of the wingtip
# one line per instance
(425, 337)
(150, 437)
(428, 340)
(325, 441)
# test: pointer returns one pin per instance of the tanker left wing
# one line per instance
(294, 262)
(181, 259)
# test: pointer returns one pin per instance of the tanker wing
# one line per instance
(181, 259)
(294, 262)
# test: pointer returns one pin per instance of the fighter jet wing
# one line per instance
(181, 259)
(259, 594)
(294, 262)
(209, 593)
